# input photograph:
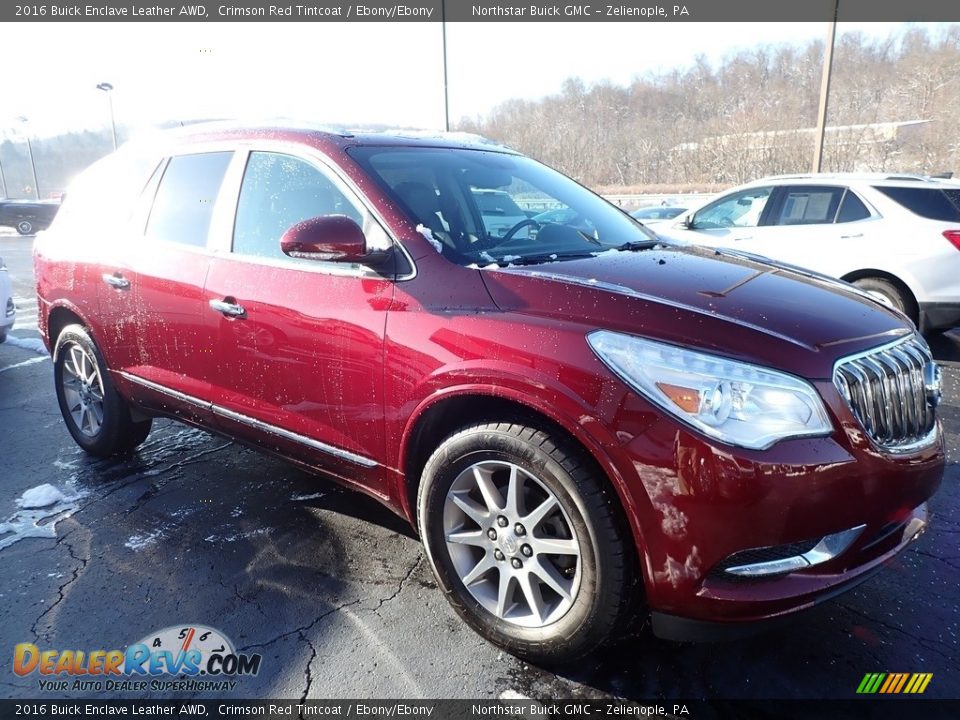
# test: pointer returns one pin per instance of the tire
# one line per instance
(25, 227)
(890, 295)
(96, 416)
(534, 599)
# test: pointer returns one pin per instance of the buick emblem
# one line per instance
(931, 384)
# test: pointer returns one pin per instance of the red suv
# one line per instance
(571, 413)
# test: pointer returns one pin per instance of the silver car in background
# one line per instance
(8, 311)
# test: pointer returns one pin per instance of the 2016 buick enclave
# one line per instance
(573, 415)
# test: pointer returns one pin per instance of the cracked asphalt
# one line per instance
(333, 590)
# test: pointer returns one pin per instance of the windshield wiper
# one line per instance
(589, 238)
(635, 245)
(539, 258)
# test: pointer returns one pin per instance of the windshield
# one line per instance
(490, 207)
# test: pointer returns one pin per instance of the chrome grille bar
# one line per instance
(884, 388)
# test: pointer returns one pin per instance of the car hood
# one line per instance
(720, 301)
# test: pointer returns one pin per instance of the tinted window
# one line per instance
(279, 191)
(808, 205)
(742, 209)
(184, 202)
(927, 202)
(852, 209)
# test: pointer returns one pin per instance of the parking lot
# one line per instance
(333, 590)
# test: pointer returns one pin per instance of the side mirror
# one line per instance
(335, 238)
(687, 222)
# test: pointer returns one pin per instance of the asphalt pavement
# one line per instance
(334, 592)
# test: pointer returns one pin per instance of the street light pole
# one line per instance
(3, 180)
(446, 93)
(825, 89)
(108, 89)
(33, 165)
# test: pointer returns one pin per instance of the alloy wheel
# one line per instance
(83, 390)
(512, 544)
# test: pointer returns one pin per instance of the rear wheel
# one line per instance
(25, 227)
(96, 416)
(523, 538)
(889, 294)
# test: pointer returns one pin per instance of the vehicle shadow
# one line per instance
(945, 346)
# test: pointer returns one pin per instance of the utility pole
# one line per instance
(33, 165)
(446, 93)
(825, 89)
(108, 89)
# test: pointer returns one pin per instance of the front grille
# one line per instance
(885, 389)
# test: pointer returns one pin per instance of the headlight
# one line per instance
(735, 402)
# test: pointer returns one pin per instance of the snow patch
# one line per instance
(510, 258)
(40, 496)
(301, 498)
(455, 136)
(41, 508)
(139, 542)
(425, 231)
(236, 536)
(32, 344)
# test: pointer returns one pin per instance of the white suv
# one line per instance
(895, 236)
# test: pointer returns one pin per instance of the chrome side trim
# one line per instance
(828, 548)
(253, 422)
(163, 389)
(287, 435)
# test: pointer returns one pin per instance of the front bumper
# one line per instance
(698, 506)
(802, 591)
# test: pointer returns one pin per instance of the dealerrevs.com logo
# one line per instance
(179, 658)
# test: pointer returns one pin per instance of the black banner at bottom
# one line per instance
(520, 709)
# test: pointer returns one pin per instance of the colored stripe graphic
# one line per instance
(894, 683)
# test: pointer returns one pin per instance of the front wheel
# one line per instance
(888, 294)
(25, 227)
(96, 416)
(524, 540)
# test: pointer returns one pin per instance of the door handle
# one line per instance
(847, 237)
(116, 280)
(745, 237)
(227, 308)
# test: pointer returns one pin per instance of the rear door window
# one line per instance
(183, 206)
(930, 203)
(852, 209)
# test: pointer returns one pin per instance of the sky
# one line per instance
(343, 73)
